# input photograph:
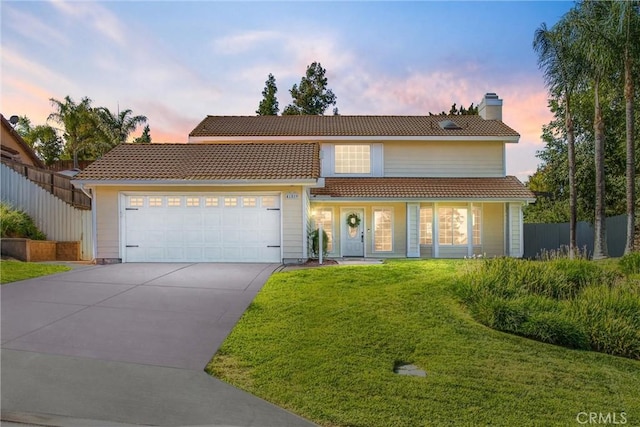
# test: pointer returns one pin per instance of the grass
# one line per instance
(323, 343)
(12, 271)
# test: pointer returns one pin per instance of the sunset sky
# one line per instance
(177, 62)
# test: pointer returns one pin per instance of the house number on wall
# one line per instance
(292, 195)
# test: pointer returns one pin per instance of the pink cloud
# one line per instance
(167, 125)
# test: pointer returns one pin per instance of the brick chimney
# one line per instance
(491, 107)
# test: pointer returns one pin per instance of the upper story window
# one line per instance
(353, 159)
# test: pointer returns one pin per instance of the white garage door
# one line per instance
(202, 228)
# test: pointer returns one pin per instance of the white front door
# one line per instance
(353, 233)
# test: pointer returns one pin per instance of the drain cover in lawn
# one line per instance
(412, 370)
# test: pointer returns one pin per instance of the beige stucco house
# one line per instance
(250, 189)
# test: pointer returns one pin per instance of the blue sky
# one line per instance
(177, 62)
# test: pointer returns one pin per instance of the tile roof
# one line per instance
(265, 126)
(206, 162)
(508, 187)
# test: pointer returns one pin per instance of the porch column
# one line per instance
(436, 234)
(514, 230)
(470, 230)
(413, 230)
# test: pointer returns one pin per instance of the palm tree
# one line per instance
(626, 21)
(598, 46)
(78, 124)
(115, 128)
(561, 64)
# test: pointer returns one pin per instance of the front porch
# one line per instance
(419, 229)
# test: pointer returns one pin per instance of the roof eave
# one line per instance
(316, 138)
(87, 183)
(424, 199)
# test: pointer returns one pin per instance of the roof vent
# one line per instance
(449, 125)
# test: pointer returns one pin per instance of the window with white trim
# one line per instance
(211, 202)
(230, 202)
(269, 202)
(249, 202)
(193, 202)
(136, 202)
(452, 226)
(426, 226)
(353, 159)
(382, 230)
(173, 201)
(325, 217)
(155, 202)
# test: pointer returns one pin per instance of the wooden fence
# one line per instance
(57, 219)
(57, 184)
(61, 165)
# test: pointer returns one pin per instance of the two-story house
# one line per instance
(251, 188)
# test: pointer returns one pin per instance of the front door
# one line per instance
(353, 232)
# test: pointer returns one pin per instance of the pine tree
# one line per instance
(269, 104)
(312, 96)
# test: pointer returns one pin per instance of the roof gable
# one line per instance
(338, 125)
(206, 162)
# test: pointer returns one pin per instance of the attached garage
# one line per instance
(220, 202)
(201, 228)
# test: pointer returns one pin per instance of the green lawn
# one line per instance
(12, 271)
(323, 343)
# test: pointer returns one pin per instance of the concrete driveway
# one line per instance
(101, 339)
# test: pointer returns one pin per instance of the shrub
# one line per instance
(501, 314)
(314, 236)
(556, 328)
(573, 303)
(630, 263)
(611, 316)
(16, 223)
(574, 275)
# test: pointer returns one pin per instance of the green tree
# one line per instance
(46, 143)
(269, 104)
(115, 128)
(603, 115)
(145, 138)
(23, 128)
(560, 61)
(78, 125)
(43, 139)
(311, 97)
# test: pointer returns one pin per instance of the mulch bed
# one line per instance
(316, 263)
